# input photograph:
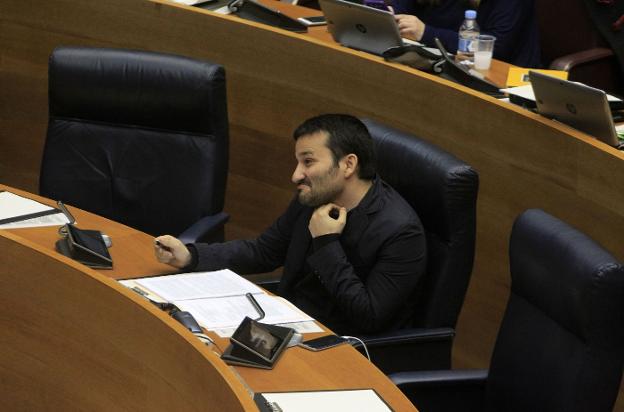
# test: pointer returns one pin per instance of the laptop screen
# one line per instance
(361, 27)
(576, 105)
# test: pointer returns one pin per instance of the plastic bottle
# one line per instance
(468, 31)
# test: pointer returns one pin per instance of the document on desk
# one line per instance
(216, 299)
(199, 285)
(354, 400)
(229, 311)
(20, 212)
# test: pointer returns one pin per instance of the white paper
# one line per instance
(198, 285)
(308, 326)
(57, 219)
(12, 205)
(217, 300)
(356, 400)
(229, 311)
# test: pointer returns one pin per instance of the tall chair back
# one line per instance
(138, 137)
(443, 191)
(561, 343)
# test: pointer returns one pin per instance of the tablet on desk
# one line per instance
(85, 246)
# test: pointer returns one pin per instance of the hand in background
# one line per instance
(171, 251)
(321, 223)
(410, 26)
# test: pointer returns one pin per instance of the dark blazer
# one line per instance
(362, 281)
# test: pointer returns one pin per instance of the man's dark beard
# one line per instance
(316, 198)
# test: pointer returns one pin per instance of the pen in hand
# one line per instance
(163, 247)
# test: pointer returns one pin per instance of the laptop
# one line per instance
(576, 105)
(361, 27)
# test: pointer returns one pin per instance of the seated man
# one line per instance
(353, 250)
(512, 22)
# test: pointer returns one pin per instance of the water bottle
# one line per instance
(468, 32)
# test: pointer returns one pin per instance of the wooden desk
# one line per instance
(276, 79)
(74, 339)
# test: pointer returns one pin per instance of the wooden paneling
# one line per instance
(73, 339)
(277, 79)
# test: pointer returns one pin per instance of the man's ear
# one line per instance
(350, 162)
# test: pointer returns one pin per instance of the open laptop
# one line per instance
(576, 105)
(361, 27)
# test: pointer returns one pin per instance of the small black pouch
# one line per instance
(418, 57)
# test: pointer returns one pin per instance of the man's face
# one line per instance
(317, 176)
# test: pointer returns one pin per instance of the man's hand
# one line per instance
(410, 26)
(321, 223)
(171, 251)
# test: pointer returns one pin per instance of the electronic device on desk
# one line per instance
(254, 11)
(455, 72)
(85, 246)
(313, 20)
(361, 27)
(256, 344)
(324, 342)
(575, 104)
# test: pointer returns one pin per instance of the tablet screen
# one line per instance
(254, 336)
(89, 239)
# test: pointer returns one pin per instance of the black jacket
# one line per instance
(369, 274)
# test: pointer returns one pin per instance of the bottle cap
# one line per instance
(470, 14)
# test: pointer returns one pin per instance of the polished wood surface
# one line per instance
(276, 79)
(73, 339)
(83, 311)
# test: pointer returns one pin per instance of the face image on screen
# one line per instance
(259, 339)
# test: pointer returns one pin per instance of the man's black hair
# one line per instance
(347, 134)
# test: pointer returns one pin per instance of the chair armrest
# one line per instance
(410, 349)
(208, 228)
(569, 61)
(444, 390)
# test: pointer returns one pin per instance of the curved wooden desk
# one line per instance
(74, 339)
(276, 79)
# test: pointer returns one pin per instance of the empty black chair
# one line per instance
(443, 191)
(140, 138)
(561, 342)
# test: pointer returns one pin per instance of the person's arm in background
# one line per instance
(504, 19)
(508, 21)
(414, 27)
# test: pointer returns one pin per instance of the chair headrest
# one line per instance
(439, 186)
(132, 87)
(565, 274)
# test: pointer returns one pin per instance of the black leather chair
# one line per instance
(140, 138)
(443, 191)
(561, 342)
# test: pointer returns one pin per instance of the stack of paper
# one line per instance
(217, 299)
(19, 212)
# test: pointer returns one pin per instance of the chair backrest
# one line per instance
(565, 28)
(443, 191)
(137, 137)
(561, 342)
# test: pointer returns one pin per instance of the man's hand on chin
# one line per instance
(322, 223)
